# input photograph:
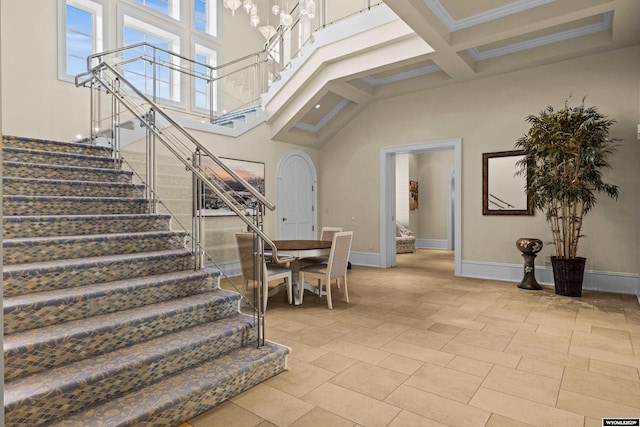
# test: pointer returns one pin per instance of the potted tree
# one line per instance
(565, 153)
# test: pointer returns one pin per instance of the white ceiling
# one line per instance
(473, 39)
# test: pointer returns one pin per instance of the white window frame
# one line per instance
(99, 10)
(174, 9)
(214, 18)
(131, 20)
(212, 54)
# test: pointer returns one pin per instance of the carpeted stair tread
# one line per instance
(44, 249)
(89, 173)
(19, 197)
(52, 145)
(48, 225)
(15, 275)
(59, 240)
(88, 381)
(81, 293)
(64, 205)
(41, 309)
(80, 262)
(38, 183)
(55, 157)
(188, 393)
(34, 350)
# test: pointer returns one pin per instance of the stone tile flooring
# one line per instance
(418, 346)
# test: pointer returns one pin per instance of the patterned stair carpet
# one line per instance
(106, 320)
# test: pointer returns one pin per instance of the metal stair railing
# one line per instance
(113, 96)
(234, 85)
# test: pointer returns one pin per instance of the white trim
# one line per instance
(174, 12)
(600, 281)
(366, 259)
(100, 15)
(213, 16)
(452, 24)
(451, 208)
(314, 191)
(326, 119)
(228, 268)
(212, 54)
(372, 81)
(603, 281)
(387, 202)
(432, 243)
(138, 22)
(606, 24)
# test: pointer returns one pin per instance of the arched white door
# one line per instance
(296, 198)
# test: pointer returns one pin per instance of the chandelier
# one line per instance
(279, 8)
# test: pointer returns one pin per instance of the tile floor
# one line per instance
(418, 346)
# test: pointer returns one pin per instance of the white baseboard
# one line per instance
(366, 259)
(604, 281)
(432, 243)
(228, 268)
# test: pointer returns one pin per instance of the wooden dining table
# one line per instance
(300, 249)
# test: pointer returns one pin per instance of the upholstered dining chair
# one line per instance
(326, 235)
(271, 271)
(334, 269)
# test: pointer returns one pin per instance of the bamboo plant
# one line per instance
(565, 153)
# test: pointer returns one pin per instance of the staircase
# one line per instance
(106, 321)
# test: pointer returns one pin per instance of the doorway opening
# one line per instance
(388, 197)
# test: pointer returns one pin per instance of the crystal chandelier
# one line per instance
(279, 8)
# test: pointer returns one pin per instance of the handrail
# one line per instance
(151, 127)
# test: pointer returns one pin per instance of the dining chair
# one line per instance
(271, 271)
(326, 235)
(335, 268)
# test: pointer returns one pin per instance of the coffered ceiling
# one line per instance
(468, 39)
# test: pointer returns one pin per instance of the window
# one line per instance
(141, 72)
(81, 34)
(166, 7)
(203, 92)
(205, 16)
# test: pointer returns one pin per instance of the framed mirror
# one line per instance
(504, 192)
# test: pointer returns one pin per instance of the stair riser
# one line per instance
(57, 352)
(38, 280)
(199, 402)
(79, 227)
(63, 147)
(53, 158)
(21, 170)
(75, 307)
(137, 374)
(76, 189)
(51, 251)
(72, 207)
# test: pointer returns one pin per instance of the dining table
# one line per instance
(299, 249)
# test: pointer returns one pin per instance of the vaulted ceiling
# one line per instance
(443, 42)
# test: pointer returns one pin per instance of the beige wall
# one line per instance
(35, 102)
(489, 115)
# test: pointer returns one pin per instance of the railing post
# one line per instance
(197, 242)
(212, 87)
(115, 129)
(91, 112)
(151, 162)
(259, 294)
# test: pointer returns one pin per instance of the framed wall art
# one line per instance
(252, 172)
